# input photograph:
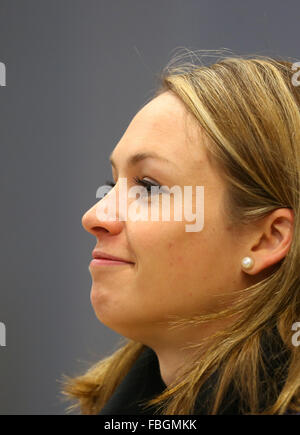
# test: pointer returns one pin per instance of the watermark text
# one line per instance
(296, 75)
(2, 74)
(2, 334)
(160, 200)
(296, 336)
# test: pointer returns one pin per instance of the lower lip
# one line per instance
(106, 262)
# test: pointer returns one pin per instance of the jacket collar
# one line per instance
(143, 382)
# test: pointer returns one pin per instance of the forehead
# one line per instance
(165, 127)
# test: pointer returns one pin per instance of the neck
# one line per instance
(173, 351)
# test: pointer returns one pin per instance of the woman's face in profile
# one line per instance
(174, 272)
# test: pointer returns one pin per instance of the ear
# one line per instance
(275, 235)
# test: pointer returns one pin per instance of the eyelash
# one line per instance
(138, 181)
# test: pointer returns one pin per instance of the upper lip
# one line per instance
(100, 254)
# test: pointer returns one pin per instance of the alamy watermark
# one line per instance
(138, 210)
(2, 334)
(2, 325)
(296, 75)
(296, 336)
(2, 74)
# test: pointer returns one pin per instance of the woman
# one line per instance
(207, 315)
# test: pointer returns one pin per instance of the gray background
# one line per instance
(77, 72)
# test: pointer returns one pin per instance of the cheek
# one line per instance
(159, 248)
(167, 256)
(176, 257)
(150, 239)
(193, 258)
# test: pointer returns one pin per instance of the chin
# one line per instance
(115, 319)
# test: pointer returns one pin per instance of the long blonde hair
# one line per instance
(249, 109)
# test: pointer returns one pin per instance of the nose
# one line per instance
(95, 222)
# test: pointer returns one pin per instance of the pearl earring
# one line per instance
(247, 262)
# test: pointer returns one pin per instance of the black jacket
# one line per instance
(144, 382)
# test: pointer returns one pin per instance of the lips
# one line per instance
(102, 255)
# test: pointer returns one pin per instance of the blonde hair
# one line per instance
(250, 111)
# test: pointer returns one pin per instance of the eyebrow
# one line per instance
(138, 157)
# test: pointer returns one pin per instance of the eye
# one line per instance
(145, 183)
(110, 183)
(139, 181)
